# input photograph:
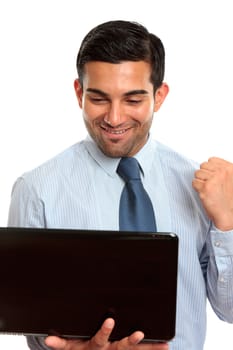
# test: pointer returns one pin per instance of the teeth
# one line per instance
(116, 132)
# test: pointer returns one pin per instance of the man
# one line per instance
(119, 87)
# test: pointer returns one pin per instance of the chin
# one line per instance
(115, 149)
(112, 154)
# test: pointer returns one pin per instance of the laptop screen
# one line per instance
(67, 282)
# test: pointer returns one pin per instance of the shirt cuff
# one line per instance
(222, 242)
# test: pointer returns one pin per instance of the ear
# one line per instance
(78, 91)
(160, 95)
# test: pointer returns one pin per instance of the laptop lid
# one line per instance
(67, 282)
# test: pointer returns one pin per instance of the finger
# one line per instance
(56, 343)
(217, 160)
(214, 163)
(154, 346)
(127, 342)
(203, 174)
(198, 184)
(210, 166)
(162, 347)
(102, 336)
(135, 339)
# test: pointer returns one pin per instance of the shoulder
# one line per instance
(178, 170)
(59, 168)
(175, 161)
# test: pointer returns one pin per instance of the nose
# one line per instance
(114, 115)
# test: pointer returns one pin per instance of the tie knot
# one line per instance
(128, 169)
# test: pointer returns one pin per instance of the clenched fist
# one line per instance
(214, 183)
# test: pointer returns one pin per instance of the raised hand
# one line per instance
(214, 183)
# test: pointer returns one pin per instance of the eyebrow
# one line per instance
(128, 93)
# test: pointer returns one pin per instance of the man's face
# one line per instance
(118, 104)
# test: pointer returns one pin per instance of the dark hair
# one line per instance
(117, 41)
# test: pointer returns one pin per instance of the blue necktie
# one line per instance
(136, 211)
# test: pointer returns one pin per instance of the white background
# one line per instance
(39, 115)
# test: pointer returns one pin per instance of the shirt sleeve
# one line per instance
(218, 271)
(37, 343)
(26, 209)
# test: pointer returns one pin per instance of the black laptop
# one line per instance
(67, 282)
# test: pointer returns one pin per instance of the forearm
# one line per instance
(219, 274)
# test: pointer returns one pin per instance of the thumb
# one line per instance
(56, 343)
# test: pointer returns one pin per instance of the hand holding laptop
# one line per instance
(101, 341)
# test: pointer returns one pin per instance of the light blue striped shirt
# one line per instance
(80, 188)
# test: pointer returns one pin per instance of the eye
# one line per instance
(134, 101)
(98, 100)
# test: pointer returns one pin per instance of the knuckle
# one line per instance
(203, 165)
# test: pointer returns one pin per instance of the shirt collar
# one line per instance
(145, 156)
(108, 164)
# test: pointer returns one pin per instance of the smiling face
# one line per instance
(118, 103)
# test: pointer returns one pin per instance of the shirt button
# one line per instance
(217, 244)
(222, 279)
